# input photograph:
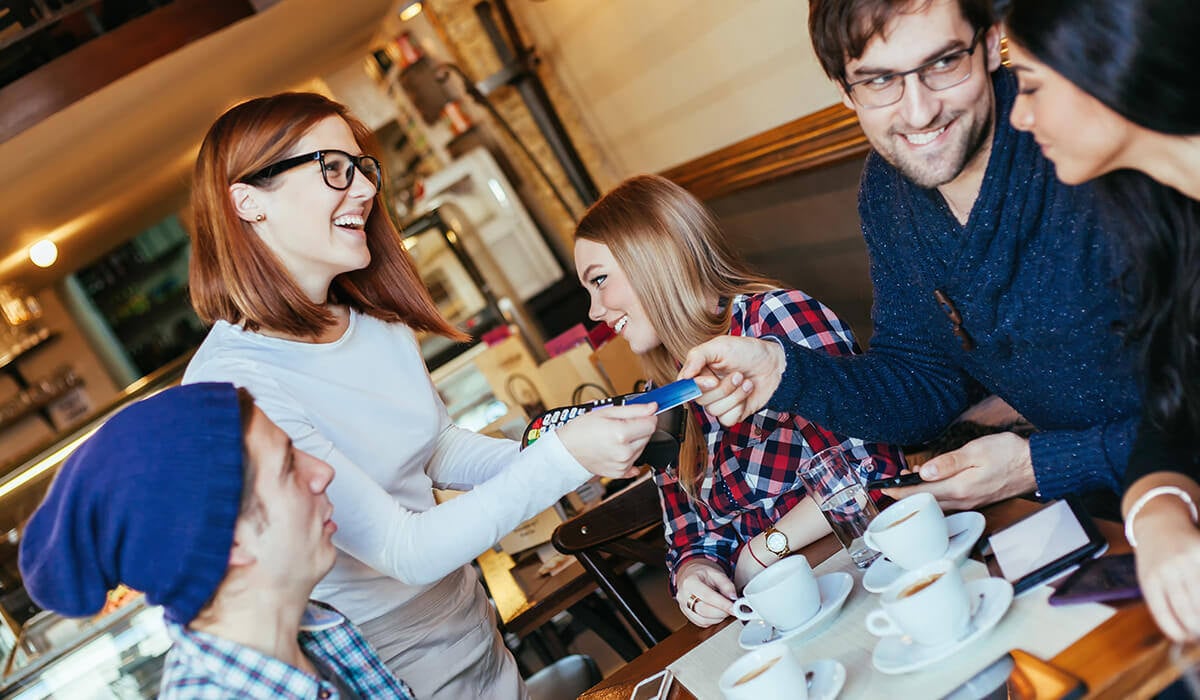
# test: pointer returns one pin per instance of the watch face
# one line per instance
(777, 542)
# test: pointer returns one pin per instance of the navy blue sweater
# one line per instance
(1035, 283)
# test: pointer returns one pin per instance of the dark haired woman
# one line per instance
(315, 306)
(1109, 88)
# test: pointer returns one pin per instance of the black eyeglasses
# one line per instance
(942, 73)
(337, 168)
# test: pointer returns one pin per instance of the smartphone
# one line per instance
(655, 687)
(892, 482)
(1044, 545)
(1100, 580)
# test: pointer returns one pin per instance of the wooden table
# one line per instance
(522, 611)
(1125, 657)
(526, 601)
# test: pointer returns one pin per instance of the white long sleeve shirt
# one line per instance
(366, 405)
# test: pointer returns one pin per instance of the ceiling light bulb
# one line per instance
(411, 11)
(43, 253)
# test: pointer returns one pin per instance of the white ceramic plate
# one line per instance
(835, 589)
(990, 599)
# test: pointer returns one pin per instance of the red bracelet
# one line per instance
(752, 554)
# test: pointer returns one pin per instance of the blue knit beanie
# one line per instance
(150, 501)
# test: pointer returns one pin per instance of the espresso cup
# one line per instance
(929, 604)
(911, 532)
(784, 595)
(769, 672)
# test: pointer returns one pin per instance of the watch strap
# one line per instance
(767, 536)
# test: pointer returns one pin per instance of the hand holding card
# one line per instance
(666, 397)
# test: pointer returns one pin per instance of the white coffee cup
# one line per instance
(769, 672)
(911, 532)
(929, 604)
(785, 594)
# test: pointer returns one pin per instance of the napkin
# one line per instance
(1031, 624)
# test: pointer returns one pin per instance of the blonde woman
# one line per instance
(661, 274)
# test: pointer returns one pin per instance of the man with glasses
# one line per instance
(980, 286)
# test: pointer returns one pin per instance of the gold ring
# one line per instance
(692, 600)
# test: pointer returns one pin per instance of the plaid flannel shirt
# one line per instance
(200, 666)
(753, 477)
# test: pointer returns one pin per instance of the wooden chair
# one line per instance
(624, 528)
(565, 679)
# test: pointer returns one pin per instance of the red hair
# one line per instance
(234, 275)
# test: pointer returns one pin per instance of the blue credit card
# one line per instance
(669, 396)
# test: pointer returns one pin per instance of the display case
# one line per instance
(133, 303)
(455, 284)
(118, 656)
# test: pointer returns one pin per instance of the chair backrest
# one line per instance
(611, 523)
(565, 679)
(624, 527)
(618, 517)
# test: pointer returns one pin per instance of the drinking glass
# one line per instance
(841, 495)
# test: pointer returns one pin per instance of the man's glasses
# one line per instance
(941, 73)
(337, 168)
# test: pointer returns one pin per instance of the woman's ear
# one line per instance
(245, 203)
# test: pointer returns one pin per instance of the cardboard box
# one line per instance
(561, 375)
(513, 375)
(533, 532)
(617, 362)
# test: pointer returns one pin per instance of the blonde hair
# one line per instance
(676, 260)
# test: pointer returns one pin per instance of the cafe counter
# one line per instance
(22, 488)
(117, 655)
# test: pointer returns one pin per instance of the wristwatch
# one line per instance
(777, 542)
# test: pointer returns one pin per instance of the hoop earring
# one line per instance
(260, 217)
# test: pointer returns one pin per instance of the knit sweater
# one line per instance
(1034, 281)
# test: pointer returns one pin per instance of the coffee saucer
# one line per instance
(835, 589)
(964, 530)
(828, 677)
(990, 599)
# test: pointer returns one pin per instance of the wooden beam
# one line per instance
(824, 137)
(111, 56)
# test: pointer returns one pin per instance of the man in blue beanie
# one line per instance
(197, 499)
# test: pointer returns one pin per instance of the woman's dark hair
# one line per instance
(1160, 228)
(1139, 58)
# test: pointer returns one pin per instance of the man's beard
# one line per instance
(947, 167)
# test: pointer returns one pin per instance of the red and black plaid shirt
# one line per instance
(753, 477)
